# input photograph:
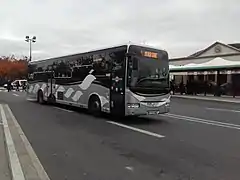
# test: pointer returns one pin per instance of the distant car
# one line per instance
(22, 82)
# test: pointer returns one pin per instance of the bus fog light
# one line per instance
(133, 105)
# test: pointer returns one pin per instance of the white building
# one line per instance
(219, 62)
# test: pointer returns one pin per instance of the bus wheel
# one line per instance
(94, 106)
(51, 99)
(40, 99)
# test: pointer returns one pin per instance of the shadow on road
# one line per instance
(130, 120)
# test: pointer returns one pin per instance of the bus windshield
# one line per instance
(149, 75)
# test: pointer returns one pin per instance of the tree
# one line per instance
(12, 68)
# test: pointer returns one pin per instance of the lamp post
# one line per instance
(30, 40)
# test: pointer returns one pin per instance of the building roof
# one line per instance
(216, 63)
(235, 46)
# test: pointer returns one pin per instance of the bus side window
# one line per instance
(41, 76)
(62, 70)
(67, 74)
(31, 77)
(118, 59)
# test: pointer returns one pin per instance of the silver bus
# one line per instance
(121, 80)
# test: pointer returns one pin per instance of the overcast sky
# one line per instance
(71, 26)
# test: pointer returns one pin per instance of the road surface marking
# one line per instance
(15, 166)
(226, 110)
(31, 99)
(5, 90)
(136, 129)
(204, 121)
(15, 94)
(207, 99)
(36, 162)
(129, 168)
(63, 109)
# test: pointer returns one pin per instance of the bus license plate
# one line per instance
(153, 112)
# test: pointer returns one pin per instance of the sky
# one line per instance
(64, 27)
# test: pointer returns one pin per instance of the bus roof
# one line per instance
(98, 49)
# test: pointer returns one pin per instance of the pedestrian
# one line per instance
(181, 86)
(234, 89)
(205, 87)
(195, 87)
(17, 85)
(9, 86)
(188, 87)
(217, 90)
(173, 87)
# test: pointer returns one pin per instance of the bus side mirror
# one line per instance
(135, 64)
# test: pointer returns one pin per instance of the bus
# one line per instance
(126, 80)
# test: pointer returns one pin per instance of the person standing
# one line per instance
(205, 87)
(173, 87)
(181, 87)
(9, 86)
(17, 85)
(234, 89)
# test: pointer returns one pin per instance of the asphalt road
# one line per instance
(198, 140)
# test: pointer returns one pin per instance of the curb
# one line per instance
(20, 168)
(13, 159)
(205, 99)
(6, 153)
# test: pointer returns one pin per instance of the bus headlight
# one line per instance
(133, 105)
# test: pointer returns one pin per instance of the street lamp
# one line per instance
(30, 40)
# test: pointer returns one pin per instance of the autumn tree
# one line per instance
(12, 68)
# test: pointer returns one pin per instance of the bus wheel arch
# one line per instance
(94, 105)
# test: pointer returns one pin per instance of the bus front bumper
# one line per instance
(145, 110)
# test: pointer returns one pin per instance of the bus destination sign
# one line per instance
(149, 54)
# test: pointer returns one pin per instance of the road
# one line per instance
(197, 140)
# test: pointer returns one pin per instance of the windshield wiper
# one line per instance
(148, 78)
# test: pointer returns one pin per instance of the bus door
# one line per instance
(117, 89)
(51, 84)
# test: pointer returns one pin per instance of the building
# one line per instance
(219, 63)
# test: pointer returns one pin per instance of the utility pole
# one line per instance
(30, 41)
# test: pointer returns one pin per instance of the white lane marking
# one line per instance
(15, 166)
(136, 129)
(31, 99)
(208, 99)
(130, 168)
(63, 109)
(225, 110)
(36, 162)
(15, 94)
(204, 121)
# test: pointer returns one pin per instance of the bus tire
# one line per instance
(51, 99)
(94, 105)
(40, 99)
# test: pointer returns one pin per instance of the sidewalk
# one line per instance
(18, 160)
(210, 97)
